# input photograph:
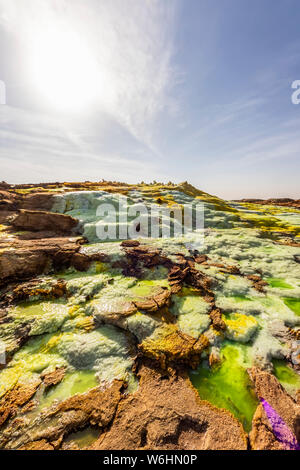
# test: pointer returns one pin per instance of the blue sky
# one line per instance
(128, 90)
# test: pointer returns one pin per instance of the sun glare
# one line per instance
(65, 71)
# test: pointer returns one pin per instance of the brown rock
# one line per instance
(217, 321)
(4, 185)
(261, 435)
(254, 278)
(41, 220)
(162, 298)
(36, 235)
(53, 378)
(80, 261)
(258, 283)
(167, 413)
(152, 303)
(22, 264)
(267, 386)
(176, 278)
(200, 281)
(7, 205)
(16, 398)
(260, 286)
(226, 268)
(37, 445)
(8, 196)
(214, 358)
(287, 202)
(288, 242)
(172, 347)
(114, 313)
(147, 304)
(96, 407)
(37, 201)
(28, 258)
(200, 259)
(145, 255)
(130, 243)
(32, 288)
(186, 273)
(5, 217)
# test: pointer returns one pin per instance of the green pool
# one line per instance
(228, 386)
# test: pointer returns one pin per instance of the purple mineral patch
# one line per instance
(280, 428)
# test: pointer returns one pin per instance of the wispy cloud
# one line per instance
(284, 146)
(184, 92)
(37, 149)
(131, 41)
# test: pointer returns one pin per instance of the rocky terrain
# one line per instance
(275, 202)
(167, 342)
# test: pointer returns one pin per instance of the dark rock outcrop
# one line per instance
(37, 221)
(29, 258)
(285, 201)
(217, 321)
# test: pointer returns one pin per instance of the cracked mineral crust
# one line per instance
(168, 342)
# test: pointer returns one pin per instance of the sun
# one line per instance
(65, 72)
